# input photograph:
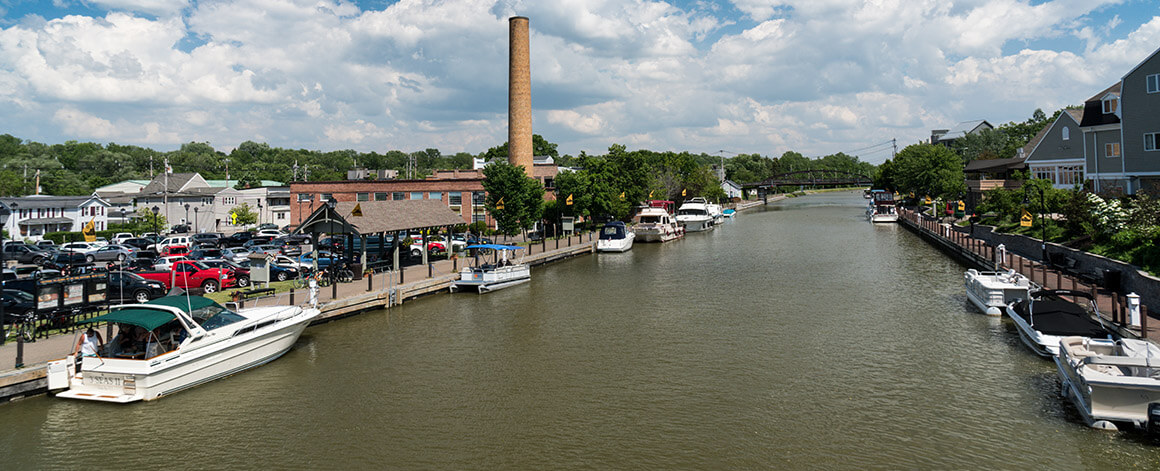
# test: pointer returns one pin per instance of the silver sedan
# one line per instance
(110, 253)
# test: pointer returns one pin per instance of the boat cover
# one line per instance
(144, 317)
(613, 230)
(495, 247)
(185, 303)
(1062, 318)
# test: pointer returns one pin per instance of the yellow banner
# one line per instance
(357, 211)
(568, 201)
(962, 206)
(499, 204)
(89, 231)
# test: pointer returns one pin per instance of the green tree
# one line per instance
(885, 177)
(986, 144)
(244, 214)
(930, 170)
(522, 197)
(540, 147)
(154, 222)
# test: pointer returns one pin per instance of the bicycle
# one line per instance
(25, 326)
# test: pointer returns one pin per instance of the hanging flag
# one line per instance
(357, 211)
(622, 195)
(962, 206)
(499, 204)
(650, 195)
(569, 201)
(89, 231)
(1025, 219)
(682, 192)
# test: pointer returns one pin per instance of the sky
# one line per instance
(719, 77)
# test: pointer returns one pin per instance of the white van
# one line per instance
(121, 237)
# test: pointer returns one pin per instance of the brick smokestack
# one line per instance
(519, 95)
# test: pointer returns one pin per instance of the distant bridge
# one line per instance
(813, 179)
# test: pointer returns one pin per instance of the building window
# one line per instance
(416, 195)
(1110, 104)
(455, 198)
(1112, 149)
(380, 196)
(1044, 173)
(363, 197)
(398, 196)
(327, 197)
(207, 201)
(1066, 133)
(305, 197)
(229, 200)
(1153, 83)
(477, 198)
(435, 195)
(281, 215)
(1152, 141)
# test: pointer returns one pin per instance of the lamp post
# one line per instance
(4, 213)
(1043, 222)
(156, 223)
(187, 213)
(195, 218)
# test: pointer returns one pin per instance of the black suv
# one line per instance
(204, 239)
(70, 260)
(133, 287)
(205, 253)
(236, 239)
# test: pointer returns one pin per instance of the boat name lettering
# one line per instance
(103, 380)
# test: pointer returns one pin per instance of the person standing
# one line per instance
(88, 343)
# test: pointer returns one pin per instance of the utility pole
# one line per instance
(227, 173)
(294, 170)
(165, 195)
(894, 153)
(150, 167)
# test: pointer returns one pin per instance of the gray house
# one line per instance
(1056, 153)
(947, 137)
(1140, 129)
(1103, 156)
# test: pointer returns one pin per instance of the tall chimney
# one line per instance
(519, 95)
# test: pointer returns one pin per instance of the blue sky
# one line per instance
(741, 76)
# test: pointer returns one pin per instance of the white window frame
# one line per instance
(1109, 105)
(305, 196)
(1153, 83)
(1152, 141)
(1112, 146)
(363, 197)
(1066, 132)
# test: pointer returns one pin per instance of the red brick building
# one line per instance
(460, 190)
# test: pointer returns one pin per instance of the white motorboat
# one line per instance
(1111, 381)
(729, 213)
(882, 207)
(694, 215)
(179, 342)
(500, 273)
(1044, 318)
(992, 291)
(716, 213)
(615, 237)
(655, 224)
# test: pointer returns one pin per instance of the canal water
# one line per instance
(797, 336)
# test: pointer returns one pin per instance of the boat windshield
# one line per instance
(650, 219)
(214, 316)
(691, 212)
(612, 232)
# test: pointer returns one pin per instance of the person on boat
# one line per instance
(88, 343)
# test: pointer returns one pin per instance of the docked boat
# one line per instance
(716, 212)
(173, 343)
(882, 207)
(694, 215)
(615, 237)
(656, 224)
(1110, 381)
(729, 213)
(1044, 318)
(486, 276)
(992, 291)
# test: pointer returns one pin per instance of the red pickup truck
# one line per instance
(193, 274)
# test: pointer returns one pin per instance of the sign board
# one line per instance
(568, 224)
(260, 268)
(962, 206)
(1025, 219)
(74, 294)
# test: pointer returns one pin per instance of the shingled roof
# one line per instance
(388, 216)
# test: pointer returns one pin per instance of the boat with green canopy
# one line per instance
(175, 342)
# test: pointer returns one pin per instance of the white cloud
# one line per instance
(155, 7)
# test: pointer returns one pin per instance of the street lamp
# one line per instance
(187, 213)
(155, 221)
(195, 218)
(1042, 220)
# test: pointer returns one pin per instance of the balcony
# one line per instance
(981, 186)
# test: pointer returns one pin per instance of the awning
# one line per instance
(42, 221)
(147, 318)
(185, 303)
(495, 247)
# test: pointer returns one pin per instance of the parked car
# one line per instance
(266, 249)
(81, 247)
(236, 254)
(241, 274)
(126, 286)
(101, 242)
(139, 242)
(288, 246)
(151, 235)
(16, 303)
(205, 239)
(267, 225)
(110, 253)
(25, 253)
(236, 239)
(168, 241)
(121, 237)
(270, 233)
(140, 261)
(206, 253)
(257, 240)
(179, 229)
(166, 263)
(70, 260)
(283, 272)
(174, 250)
(45, 244)
(187, 274)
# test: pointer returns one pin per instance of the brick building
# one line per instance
(460, 190)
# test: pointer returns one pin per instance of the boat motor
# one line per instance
(1154, 418)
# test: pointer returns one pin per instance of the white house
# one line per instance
(33, 216)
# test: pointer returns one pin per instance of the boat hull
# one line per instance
(883, 218)
(1042, 344)
(487, 280)
(696, 224)
(615, 245)
(991, 292)
(127, 380)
